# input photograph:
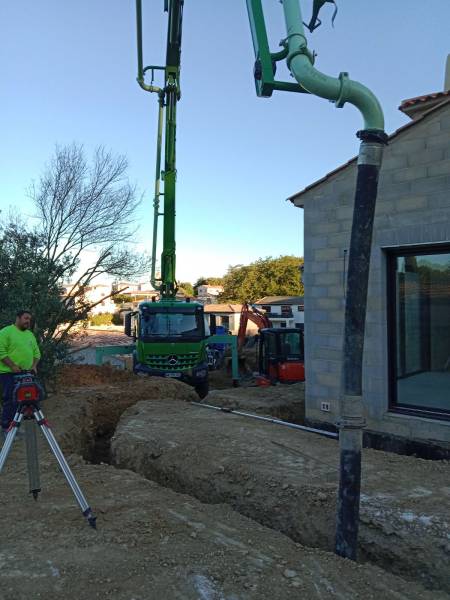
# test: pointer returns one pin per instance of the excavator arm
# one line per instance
(250, 313)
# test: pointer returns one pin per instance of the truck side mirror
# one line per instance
(127, 324)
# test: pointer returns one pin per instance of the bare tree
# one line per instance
(83, 207)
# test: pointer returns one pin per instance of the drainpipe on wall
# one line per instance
(373, 138)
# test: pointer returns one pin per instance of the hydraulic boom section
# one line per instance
(171, 335)
(168, 96)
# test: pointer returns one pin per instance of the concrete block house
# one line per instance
(406, 388)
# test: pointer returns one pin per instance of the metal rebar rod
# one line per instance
(329, 434)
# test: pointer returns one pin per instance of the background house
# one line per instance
(283, 311)
(229, 316)
(208, 294)
(139, 291)
(406, 386)
(95, 293)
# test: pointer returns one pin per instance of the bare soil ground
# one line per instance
(155, 544)
(287, 479)
(286, 402)
(152, 542)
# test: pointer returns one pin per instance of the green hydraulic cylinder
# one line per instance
(168, 256)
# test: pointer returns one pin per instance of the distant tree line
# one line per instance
(269, 276)
(281, 276)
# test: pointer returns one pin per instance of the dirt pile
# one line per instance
(287, 480)
(153, 543)
(91, 399)
(86, 375)
(285, 402)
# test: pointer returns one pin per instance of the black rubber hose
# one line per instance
(352, 418)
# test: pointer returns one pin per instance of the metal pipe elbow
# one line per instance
(339, 90)
(148, 88)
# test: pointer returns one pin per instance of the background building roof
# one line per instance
(223, 308)
(276, 300)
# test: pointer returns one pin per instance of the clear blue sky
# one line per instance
(68, 74)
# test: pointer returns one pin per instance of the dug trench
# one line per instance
(283, 479)
(152, 543)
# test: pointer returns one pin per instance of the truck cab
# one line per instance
(171, 339)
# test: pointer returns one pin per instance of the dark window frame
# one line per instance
(391, 289)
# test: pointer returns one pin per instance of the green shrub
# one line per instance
(101, 319)
(121, 298)
(117, 318)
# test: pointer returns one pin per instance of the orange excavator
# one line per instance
(281, 356)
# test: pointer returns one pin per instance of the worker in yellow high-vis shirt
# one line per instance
(19, 351)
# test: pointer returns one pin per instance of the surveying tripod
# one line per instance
(28, 395)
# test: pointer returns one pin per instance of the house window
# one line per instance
(419, 330)
(283, 324)
(300, 308)
(286, 310)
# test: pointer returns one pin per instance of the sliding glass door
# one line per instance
(419, 330)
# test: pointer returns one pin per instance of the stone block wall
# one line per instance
(413, 207)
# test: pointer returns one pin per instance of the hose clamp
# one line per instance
(301, 51)
(370, 153)
(342, 98)
(352, 416)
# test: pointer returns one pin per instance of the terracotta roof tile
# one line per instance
(421, 99)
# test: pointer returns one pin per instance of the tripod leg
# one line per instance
(10, 438)
(48, 433)
(32, 457)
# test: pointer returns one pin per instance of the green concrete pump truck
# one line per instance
(171, 335)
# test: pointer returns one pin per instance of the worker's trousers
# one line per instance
(9, 406)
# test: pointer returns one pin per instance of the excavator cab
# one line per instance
(281, 354)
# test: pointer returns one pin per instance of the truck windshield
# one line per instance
(169, 324)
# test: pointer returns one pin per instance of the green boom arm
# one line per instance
(168, 97)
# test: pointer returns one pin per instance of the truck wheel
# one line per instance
(202, 389)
